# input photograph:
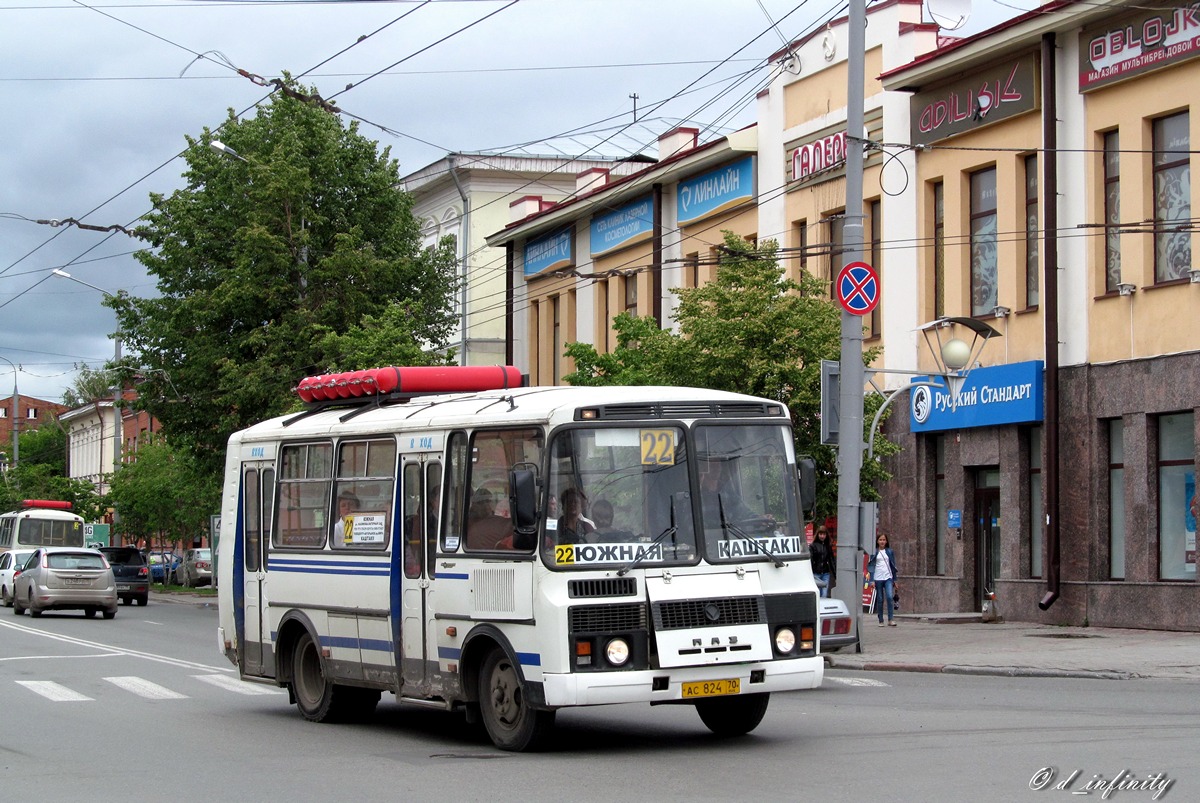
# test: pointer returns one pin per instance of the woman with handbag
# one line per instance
(883, 573)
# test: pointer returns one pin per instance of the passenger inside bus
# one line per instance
(347, 505)
(573, 526)
(486, 529)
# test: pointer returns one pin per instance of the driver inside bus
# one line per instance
(721, 502)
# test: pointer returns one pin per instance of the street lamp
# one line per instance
(116, 359)
(16, 446)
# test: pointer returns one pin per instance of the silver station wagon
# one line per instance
(66, 578)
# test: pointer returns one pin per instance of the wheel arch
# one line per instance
(478, 643)
(291, 627)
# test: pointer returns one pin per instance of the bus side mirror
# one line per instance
(807, 472)
(522, 491)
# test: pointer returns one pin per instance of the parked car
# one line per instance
(131, 572)
(66, 578)
(10, 567)
(162, 566)
(195, 569)
(835, 625)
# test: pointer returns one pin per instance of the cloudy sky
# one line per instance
(99, 95)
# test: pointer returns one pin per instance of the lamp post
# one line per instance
(116, 359)
(16, 401)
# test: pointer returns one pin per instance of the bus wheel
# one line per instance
(322, 701)
(733, 716)
(313, 693)
(510, 722)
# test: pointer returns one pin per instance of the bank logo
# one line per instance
(922, 403)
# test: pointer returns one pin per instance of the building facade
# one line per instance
(467, 196)
(21, 414)
(91, 444)
(1053, 175)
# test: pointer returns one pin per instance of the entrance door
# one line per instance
(987, 542)
(258, 484)
(420, 495)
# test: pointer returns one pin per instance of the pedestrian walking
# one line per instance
(822, 559)
(883, 573)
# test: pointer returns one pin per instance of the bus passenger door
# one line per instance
(420, 495)
(258, 485)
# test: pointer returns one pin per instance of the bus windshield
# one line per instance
(617, 495)
(626, 495)
(748, 493)
(34, 531)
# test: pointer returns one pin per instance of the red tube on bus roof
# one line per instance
(409, 380)
(49, 504)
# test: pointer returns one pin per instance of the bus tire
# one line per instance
(510, 722)
(733, 716)
(320, 700)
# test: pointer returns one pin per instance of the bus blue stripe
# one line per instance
(380, 572)
(451, 576)
(523, 658)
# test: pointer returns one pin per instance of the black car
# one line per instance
(131, 571)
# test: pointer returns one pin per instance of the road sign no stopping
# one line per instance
(857, 288)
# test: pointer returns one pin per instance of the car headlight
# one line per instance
(785, 640)
(617, 652)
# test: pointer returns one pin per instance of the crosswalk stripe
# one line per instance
(855, 681)
(53, 691)
(144, 688)
(234, 684)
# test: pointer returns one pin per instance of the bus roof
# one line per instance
(515, 406)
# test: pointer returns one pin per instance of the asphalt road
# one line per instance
(144, 707)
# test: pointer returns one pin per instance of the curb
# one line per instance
(966, 669)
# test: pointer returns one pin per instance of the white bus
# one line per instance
(517, 550)
(40, 522)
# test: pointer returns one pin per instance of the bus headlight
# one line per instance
(785, 640)
(617, 652)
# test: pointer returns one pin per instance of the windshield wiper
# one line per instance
(745, 536)
(671, 530)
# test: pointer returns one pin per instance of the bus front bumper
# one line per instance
(667, 685)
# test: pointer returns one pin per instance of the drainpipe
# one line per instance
(1050, 307)
(509, 290)
(657, 256)
(465, 243)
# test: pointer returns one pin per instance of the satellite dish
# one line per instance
(949, 14)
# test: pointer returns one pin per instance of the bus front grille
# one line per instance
(685, 613)
(608, 618)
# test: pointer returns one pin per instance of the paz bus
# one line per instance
(40, 522)
(465, 542)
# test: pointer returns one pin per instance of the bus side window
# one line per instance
(455, 492)
(414, 525)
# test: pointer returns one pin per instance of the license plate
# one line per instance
(77, 581)
(123, 586)
(712, 688)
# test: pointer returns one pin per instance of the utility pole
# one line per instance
(850, 443)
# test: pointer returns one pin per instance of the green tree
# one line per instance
(263, 263)
(90, 386)
(751, 330)
(165, 493)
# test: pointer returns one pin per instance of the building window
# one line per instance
(31, 413)
(631, 294)
(1037, 545)
(1112, 211)
(984, 260)
(939, 250)
(1116, 499)
(602, 315)
(1177, 504)
(1172, 199)
(1031, 231)
(800, 241)
(3, 412)
(691, 271)
(836, 240)
(941, 525)
(875, 210)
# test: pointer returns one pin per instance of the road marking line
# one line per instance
(53, 691)
(856, 681)
(234, 684)
(144, 688)
(149, 656)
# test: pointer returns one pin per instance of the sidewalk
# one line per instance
(963, 645)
